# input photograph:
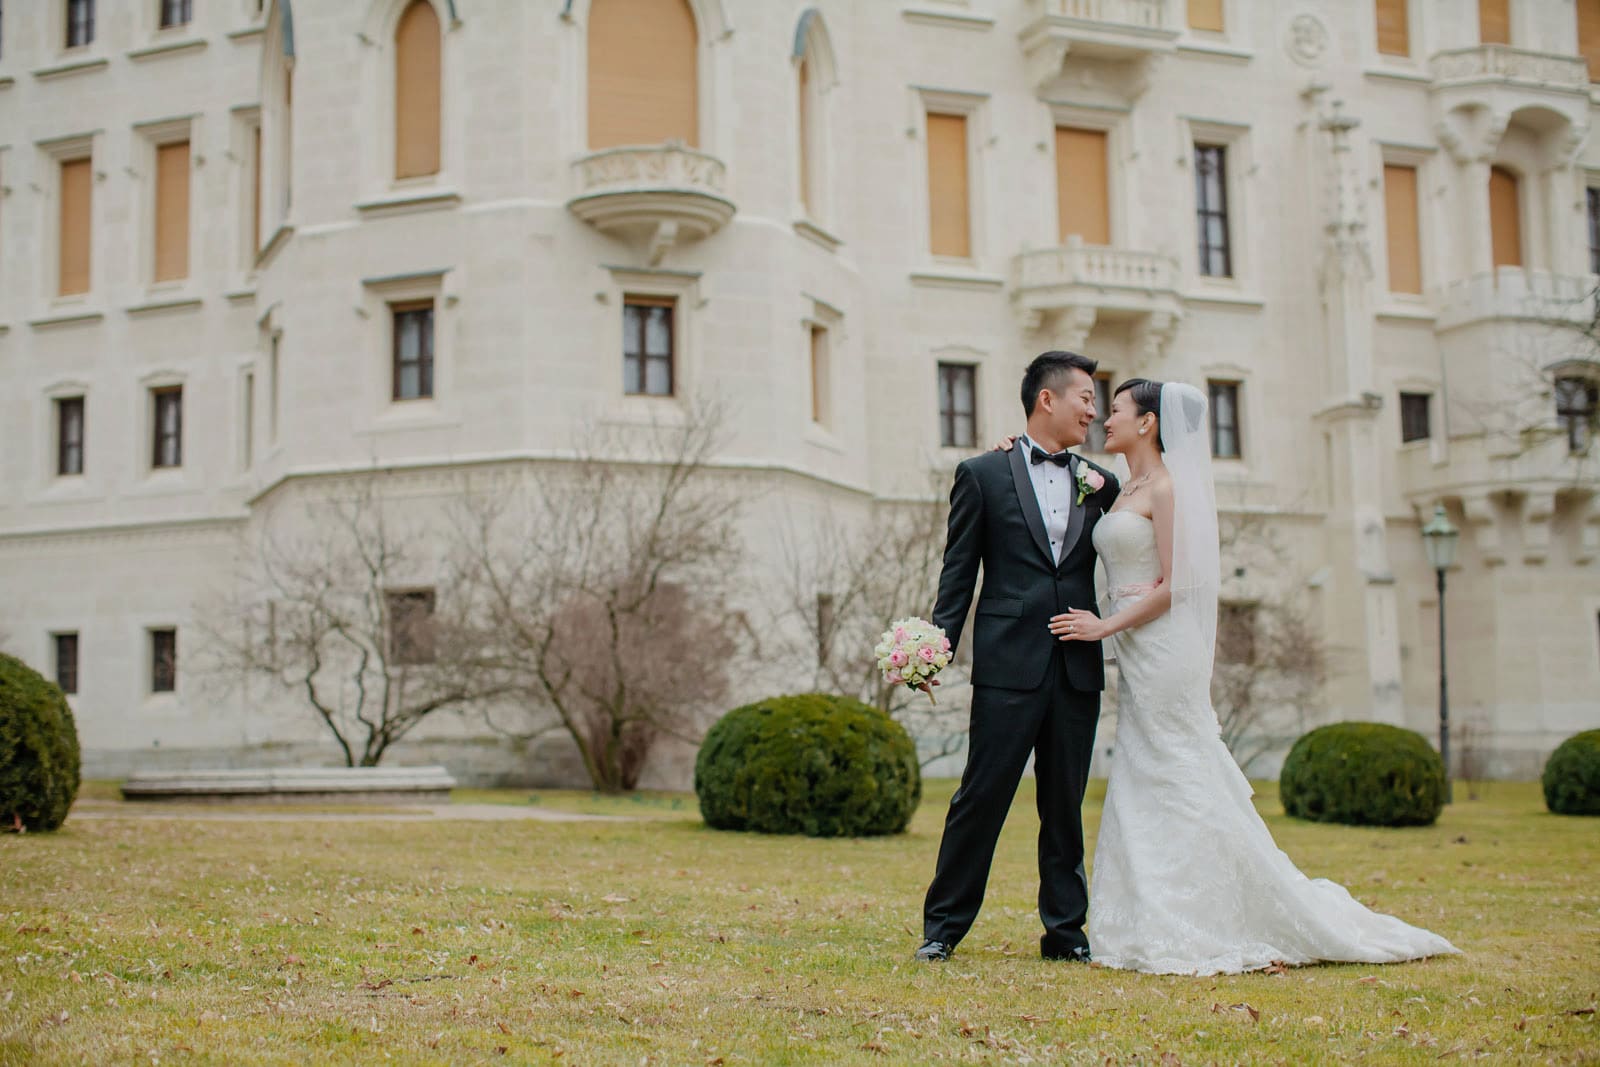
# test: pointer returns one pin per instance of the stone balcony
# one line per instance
(1516, 294)
(1499, 81)
(1115, 31)
(1521, 494)
(657, 195)
(1070, 288)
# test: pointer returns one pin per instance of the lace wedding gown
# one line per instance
(1187, 879)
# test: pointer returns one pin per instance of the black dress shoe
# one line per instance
(933, 951)
(1077, 955)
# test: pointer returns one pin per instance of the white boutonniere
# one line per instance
(1089, 481)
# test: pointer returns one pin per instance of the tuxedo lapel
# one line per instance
(1074, 514)
(1029, 500)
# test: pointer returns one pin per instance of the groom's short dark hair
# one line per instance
(1047, 371)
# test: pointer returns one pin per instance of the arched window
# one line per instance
(808, 136)
(416, 92)
(643, 73)
(1505, 218)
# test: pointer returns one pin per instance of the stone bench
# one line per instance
(296, 785)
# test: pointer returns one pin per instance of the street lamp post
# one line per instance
(1439, 537)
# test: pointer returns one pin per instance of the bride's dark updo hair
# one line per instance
(1146, 396)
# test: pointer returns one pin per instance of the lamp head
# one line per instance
(1439, 538)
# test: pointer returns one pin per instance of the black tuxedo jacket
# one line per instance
(995, 523)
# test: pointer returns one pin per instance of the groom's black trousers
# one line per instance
(1057, 724)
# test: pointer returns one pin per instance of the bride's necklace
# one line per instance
(1135, 485)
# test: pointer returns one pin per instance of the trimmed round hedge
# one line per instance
(38, 749)
(1572, 776)
(1363, 774)
(824, 766)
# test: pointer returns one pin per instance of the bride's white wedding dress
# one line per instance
(1187, 879)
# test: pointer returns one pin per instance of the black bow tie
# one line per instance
(1060, 459)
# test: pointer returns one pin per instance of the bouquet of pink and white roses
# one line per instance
(911, 652)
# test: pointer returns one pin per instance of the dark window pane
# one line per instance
(69, 435)
(958, 405)
(410, 626)
(175, 13)
(1096, 441)
(1236, 633)
(648, 337)
(1225, 420)
(67, 662)
(167, 448)
(163, 661)
(1576, 402)
(1211, 206)
(1594, 230)
(413, 351)
(80, 22)
(1414, 421)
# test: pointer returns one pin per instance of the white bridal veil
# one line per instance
(1196, 566)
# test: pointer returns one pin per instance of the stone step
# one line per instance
(359, 785)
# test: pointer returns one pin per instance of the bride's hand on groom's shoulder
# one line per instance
(1005, 443)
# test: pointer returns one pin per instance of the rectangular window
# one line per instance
(1589, 35)
(949, 207)
(648, 340)
(172, 211)
(1415, 423)
(1394, 28)
(1400, 216)
(167, 438)
(1576, 402)
(1494, 21)
(1205, 15)
(73, 235)
(67, 662)
(80, 22)
(163, 661)
(247, 451)
(1593, 196)
(826, 622)
(1236, 633)
(255, 194)
(1096, 441)
(413, 350)
(69, 435)
(958, 407)
(819, 375)
(1211, 207)
(175, 13)
(1225, 420)
(274, 387)
(410, 626)
(1083, 185)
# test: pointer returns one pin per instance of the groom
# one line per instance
(1018, 515)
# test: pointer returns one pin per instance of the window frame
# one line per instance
(1592, 205)
(631, 300)
(946, 371)
(1102, 403)
(410, 648)
(186, 14)
(1578, 423)
(1205, 212)
(69, 24)
(166, 396)
(973, 107)
(1213, 387)
(67, 680)
(163, 672)
(1409, 402)
(63, 444)
(425, 356)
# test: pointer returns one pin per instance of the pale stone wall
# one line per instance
(529, 307)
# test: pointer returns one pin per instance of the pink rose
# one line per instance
(944, 644)
(900, 633)
(1094, 479)
(926, 654)
(895, 679)
(898, 657)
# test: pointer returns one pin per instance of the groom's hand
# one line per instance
(1079, 625)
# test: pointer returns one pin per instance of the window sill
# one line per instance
(1227, 297)
(1399, 73)
(952, 20)
(409, 202)
(167, 47)
(241, 292)
(1218, 49)
(7, 81)
(67, 316)
(80, 65)
(1407, 311)
(247, 33)
(817, 235)
(956, 279)
(822, 437)
(156, 304)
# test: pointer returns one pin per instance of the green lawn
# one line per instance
(658, 941)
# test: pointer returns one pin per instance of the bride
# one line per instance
(1187, 878)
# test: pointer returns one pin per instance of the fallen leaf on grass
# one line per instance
(876, 1046)
(616, 898)
(1580, 1011)
(1276, 967)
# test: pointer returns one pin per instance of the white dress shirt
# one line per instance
(1053, 488)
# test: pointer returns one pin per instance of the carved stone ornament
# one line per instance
(1307, 40)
